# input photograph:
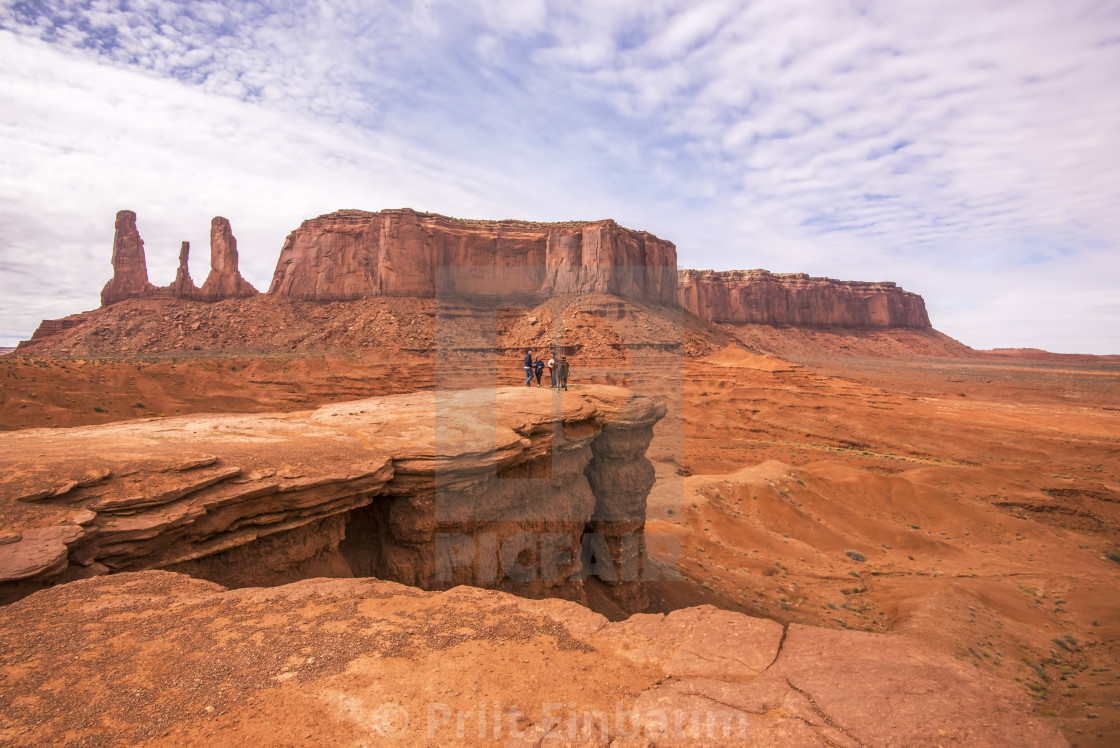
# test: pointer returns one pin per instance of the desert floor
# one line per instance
(971, 503)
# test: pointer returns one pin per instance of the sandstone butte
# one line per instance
(796, 299)
(369, 488)
(358, 488)
(353, 254)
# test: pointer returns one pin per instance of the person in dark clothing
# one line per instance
(528, 368)
(538, 370)
(563, 371)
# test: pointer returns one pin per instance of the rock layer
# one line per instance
(359, 662)
(353, 254)
(796, 299)
(130, 266)
(483, 487)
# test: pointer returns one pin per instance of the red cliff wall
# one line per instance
(795, 299)
(353, 254)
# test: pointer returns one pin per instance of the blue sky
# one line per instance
(969, 151)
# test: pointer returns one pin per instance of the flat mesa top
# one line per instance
(365, 215)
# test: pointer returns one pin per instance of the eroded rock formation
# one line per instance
(353, 254)
(796, 299)
(487, 487)
(224, 281)
(348, 661)
(130, 268)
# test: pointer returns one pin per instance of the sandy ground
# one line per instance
(971, 502)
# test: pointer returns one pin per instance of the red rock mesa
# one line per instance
(353, 254)
(796, 299)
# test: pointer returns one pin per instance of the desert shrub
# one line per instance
(855, 556)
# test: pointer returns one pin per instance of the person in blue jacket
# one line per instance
(528, 368)
(538, 370)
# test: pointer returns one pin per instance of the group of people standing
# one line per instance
(557, 370)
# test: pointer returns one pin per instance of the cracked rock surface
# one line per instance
(159, 658)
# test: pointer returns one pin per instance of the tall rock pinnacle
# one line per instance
(183, 286)
(225, 279)
(130, 268)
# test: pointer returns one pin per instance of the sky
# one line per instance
(968, 150)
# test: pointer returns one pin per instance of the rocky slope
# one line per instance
(428, 489)
(166, 659)
(353, 254)
(589, 325)
(796, 299)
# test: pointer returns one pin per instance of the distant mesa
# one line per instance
(354, 254)
(130, 267)
(798, 300)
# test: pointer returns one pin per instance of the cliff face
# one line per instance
(130, 267)
(414, 488)
(352, 254)
(796, 299)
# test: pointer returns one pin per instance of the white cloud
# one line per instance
(968, 150)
